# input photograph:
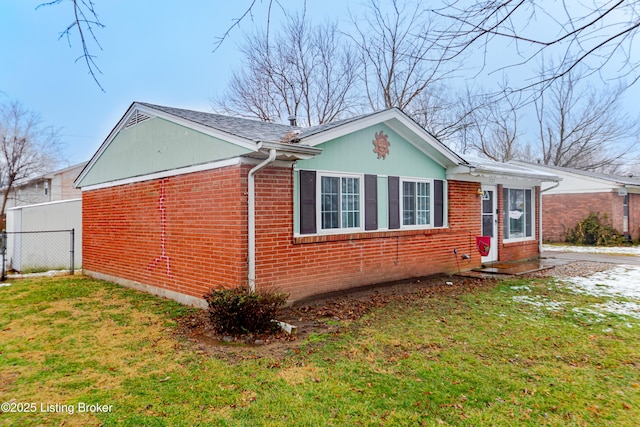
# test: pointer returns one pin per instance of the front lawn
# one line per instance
(523, 352)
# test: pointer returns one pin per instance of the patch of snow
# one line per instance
(623, 280)
(2, 285)
(625, 308)
(539, 302)
(625, 250)
(49, 273)
(521, 288)
(619, 284)
(587, 311)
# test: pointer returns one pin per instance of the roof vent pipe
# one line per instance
(293, 120)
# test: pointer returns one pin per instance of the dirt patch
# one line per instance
(323, 315)
(333, 313)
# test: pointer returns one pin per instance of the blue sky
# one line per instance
(157, 52)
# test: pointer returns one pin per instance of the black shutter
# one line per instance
(370, 202)
(307, 202)
(438, 203)
(394, 202)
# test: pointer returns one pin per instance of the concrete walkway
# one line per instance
(585, 256)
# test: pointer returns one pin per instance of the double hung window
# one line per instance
(416, 203)
(340, 202)
(518, 213)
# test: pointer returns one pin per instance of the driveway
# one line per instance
(620, 259)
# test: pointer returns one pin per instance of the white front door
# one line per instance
(490, 221)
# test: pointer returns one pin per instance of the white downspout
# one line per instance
(540, 215)
(252, 218)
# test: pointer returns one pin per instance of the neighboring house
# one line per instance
(51, 187)
(176, 202)
(580, 193)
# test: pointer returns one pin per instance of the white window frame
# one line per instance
(533, 216)
(341, 230)
(431, 204)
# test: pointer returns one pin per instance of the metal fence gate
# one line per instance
(37, 251)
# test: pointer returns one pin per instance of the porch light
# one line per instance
(480, 192)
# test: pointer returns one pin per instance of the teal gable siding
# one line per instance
(156, 145)
(354, 153)
(383, 202)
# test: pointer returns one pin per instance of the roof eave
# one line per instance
(291, 151)
(479, 172)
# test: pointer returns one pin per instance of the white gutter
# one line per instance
(540, 214)
(252, 218)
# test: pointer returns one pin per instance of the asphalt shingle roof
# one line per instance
(252, 130)
(607, 177)
(258, 131)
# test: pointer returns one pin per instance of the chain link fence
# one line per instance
(37, 251)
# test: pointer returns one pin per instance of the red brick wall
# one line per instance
(562, 212)
(309, 265)
(517, 250)
(205, 231)
(634, 216)
(205, 234)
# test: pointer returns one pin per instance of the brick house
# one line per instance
(581, 192)
(177, 201)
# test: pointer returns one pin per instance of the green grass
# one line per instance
(523, 353)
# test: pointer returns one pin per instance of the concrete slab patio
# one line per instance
(519, 268)
(550, 259)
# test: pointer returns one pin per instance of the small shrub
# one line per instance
(238, 311)
(594, 231)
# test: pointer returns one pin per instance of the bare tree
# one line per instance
(27, 148)
(304, 71)
(450, 115)
(495, 128)
(583, 128)
(400, 62)
(591, 35)
(84, 23)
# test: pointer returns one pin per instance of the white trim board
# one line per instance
(165, 174)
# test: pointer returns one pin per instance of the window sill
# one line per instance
(360, 235)
(522, 240)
